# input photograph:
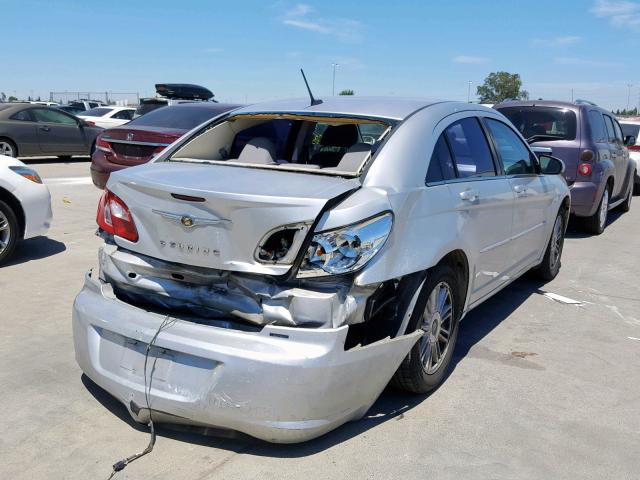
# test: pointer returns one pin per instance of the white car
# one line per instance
(271, 271)
(107, 117)
(631, 128)
(25, 205)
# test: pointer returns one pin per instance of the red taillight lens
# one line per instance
(634, 148)
(102, 144)
(585, 169)
(115, 218)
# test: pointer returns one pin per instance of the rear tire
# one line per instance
(551, 262)
(598, 221)
(8, 148)
(437, 312)
(9, 231)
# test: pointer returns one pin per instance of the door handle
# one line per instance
(45, 128)
(470, 195)
(520, 189)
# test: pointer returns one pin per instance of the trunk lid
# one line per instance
(133, 145)
(237, 208)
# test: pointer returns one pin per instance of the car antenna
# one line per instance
(314, 101)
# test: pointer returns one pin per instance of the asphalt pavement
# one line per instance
(544, 386)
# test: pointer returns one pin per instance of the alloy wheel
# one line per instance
(556, 241)
(438, 326)
(604, 208)
(7, 149)
(5, 232)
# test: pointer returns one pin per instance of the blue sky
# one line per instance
(251, 51)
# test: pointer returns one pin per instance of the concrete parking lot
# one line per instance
(540, 389)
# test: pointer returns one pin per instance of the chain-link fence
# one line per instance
(111, 98)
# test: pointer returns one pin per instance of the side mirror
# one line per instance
(551, 165)
(630, 140)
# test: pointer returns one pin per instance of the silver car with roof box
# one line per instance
(272, 270)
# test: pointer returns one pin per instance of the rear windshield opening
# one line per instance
(542, 123)
(332, 145)
(631, 130)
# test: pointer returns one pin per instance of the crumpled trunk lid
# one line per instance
(234, 208)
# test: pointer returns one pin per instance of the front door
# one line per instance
(617, 157)
(533, 195)
(58, 132)
(485, 202)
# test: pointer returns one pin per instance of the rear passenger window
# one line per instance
(441, 164)
(515, 156)
(610, 131)
(618, 130)
(598, 132)
(22, 115)
(470, 149)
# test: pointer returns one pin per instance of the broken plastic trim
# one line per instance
(280, 245)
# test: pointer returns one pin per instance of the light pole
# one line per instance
(469, 93)
(333, 88)
(629, 85)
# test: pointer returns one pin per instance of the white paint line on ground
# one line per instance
(560, 299)
(634, 338)
(68, 181)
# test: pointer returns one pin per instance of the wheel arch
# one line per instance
(458, 260)
(15, 205)
(15, 144)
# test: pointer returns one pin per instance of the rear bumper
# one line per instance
(584, 198)
(281, 384)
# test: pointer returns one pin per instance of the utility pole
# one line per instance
(572, 95)
(333, 88)
(629, 85)
(469, 93)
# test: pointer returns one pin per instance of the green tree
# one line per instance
(499, 86)
(12, 99)
(346, 92)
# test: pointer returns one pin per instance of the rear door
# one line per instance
(58, 132)
(533, 193)
(616, 148)
(485, 202)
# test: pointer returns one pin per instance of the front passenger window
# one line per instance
(52, 116)
(470, 149)
(515, 156)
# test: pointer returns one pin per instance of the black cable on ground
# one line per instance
(121, 464)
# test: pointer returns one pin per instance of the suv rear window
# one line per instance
(630, 129)
(542, 124)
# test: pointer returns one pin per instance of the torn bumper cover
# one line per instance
(280, 384)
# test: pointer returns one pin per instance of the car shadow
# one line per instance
(390, 406)
(35, 248)
(575, 229)
(49, 160)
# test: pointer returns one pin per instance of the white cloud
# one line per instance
(557, 41)
(583, 62)
(470, 60)
(619, 13)
(303, 16)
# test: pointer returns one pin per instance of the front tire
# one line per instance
(551, 262)
(437, 313)
(8, 231)
(595, 223)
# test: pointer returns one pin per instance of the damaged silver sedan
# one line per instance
(281, 264)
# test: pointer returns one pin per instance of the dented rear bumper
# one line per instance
(279, 384)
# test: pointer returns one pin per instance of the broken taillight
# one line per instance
(115, 218)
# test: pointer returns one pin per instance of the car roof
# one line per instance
(210, 105)
(551, 103)
(396, 108)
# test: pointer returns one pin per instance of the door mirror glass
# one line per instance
(630, 140)
(551, 165)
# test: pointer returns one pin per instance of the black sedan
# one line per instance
(33, 130)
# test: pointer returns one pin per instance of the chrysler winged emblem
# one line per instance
(190, 222)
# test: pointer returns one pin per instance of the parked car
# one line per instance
(142, 138)
(631, 133)
(70, 109)
(170, 94)
(46, 104)
(590, 142)
(281, 271)
(108, 117)
(25, 205)
(32, 130)
(85, 105)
